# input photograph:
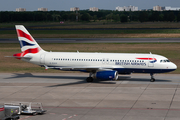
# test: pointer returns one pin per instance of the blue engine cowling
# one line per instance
(106, 75)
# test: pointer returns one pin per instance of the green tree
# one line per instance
(116, 17)
(85, 17)
(65, 17)
(171, 16)
(178, 17)
(143, 16)
(124, 18)
(109, 16)
(95, 18)
(72, 16)
(161, 17)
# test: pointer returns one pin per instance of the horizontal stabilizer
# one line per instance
(19, 57)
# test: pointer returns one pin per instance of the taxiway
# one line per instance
(67, 96)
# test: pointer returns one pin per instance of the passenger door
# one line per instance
(150, 62)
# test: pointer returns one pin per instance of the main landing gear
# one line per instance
(152, 78)
(89, 79)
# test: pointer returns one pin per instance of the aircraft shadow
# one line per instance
(144, 80)
(83, 79)
(19, 75)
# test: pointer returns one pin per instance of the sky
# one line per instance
(65, 5)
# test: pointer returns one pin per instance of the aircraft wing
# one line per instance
(86, 68)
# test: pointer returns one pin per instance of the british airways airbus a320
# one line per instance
(104, 66)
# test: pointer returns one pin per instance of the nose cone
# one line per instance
(173, 66)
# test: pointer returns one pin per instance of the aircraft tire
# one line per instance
(89, 79)
(152, 80)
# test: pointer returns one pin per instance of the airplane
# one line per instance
(103, 66)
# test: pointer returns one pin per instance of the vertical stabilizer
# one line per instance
(27, 42)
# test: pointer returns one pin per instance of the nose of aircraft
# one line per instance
(173, 66)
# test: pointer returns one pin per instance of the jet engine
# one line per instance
(106, 75)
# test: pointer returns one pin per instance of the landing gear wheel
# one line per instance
(152, 80)
(152, 77)
(89, 79)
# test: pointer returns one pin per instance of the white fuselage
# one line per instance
(121, 62)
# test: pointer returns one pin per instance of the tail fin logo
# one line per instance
(27, 42)
(23, 34)
(24, 43)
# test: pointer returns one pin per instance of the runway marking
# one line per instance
(69, 116)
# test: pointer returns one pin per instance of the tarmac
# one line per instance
(67, 96)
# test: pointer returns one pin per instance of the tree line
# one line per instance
(85, 15)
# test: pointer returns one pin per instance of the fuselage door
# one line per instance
(151, 61)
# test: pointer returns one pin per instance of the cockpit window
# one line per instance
(164, 61)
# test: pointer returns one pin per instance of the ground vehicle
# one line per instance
(28, 107)
(9, 113)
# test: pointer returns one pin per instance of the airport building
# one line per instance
(172, 8)
(167, 8)
(74, 9)
(42, 9)
(93, 9)
(157, 8)
(20, 9)
(129, 8)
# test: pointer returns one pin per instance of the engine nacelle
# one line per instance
(106, 75)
